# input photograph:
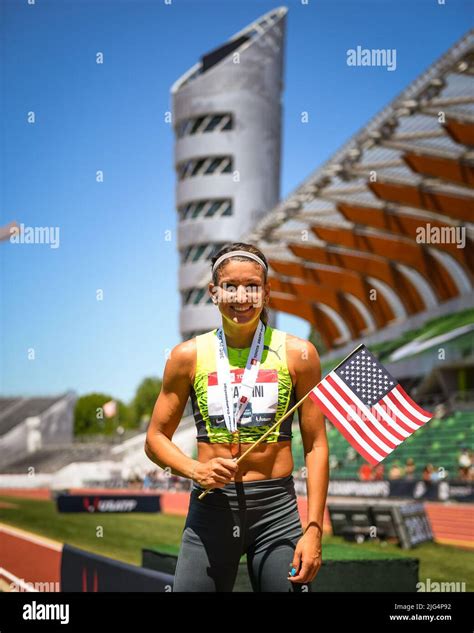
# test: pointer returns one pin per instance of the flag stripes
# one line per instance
(368, 407)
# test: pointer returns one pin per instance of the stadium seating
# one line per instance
(437, 443)
(15, 410)
(50, 459)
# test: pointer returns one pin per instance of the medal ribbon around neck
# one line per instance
(248, 380)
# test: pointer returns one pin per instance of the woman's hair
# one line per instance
(240, 246)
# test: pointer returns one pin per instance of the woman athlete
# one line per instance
(242, 377)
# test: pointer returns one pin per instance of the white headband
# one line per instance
(241, 254)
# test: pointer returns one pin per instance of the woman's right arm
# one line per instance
(167, 414)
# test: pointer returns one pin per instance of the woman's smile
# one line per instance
(242, 309)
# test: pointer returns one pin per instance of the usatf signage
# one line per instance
(108, 503)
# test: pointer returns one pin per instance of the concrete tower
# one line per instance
(227, 122)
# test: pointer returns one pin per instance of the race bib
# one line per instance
(260, 411)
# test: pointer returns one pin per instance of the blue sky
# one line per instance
(55, 334)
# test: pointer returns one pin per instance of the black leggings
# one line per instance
(259, 518)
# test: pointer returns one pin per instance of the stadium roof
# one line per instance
(387, 212)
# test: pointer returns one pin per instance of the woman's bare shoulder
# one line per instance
(299, 351)
(183, 357)
(297, 344)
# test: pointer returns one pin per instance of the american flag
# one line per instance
(110, 408)
(368, 406)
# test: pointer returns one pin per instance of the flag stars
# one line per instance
(365, 375)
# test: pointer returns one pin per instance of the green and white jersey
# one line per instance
(272, 396)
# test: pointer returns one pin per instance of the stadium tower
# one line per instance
(227, 122)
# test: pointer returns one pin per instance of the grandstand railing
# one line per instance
(456, 400)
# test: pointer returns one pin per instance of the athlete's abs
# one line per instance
(266, 460)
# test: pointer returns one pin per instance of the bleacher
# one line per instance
(15, 410)
(6, 403)
(50, 459)
(438, 442)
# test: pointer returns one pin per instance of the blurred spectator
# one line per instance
(135, 482)
(465, 464)
(147, 480)
(396, 471)
(154, 477)
(436, 474)
(427, 472)
(410, 468)
(378, 472)
(365, 472)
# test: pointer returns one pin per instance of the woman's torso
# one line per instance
(273, 396)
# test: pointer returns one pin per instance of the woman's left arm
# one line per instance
(307, 557)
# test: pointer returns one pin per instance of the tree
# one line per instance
(89, 417)
(145, 398)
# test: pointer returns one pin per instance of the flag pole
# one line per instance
(267, 432)
(260, 439)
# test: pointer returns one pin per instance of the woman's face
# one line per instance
(241, 292)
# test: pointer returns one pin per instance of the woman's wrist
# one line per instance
(314, 529)
(192, 469)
